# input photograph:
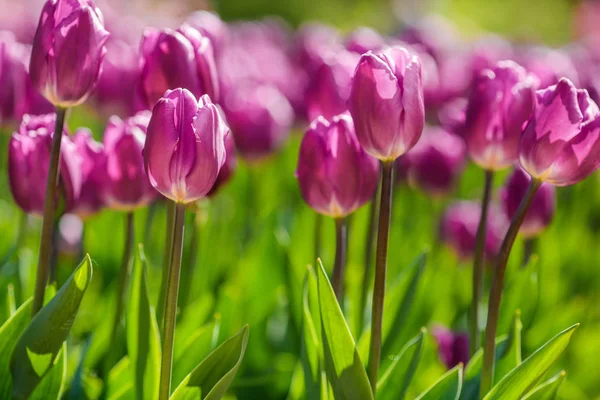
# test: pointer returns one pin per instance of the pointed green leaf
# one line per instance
(395, 380)
(547, 390)
(213, 376)
(9, 334)
(312, 356)
(143, 339)
(345, 370)
(448, 387)
(472, 375)
(522, 379)
(511, 356)
(52, 385)
(120, 381)
(47, 331)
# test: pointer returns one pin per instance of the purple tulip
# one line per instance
(174, 59)
(68, 50)
(436, 162)
(452, 116)
(386, 102)
(458, 229)
(549, 65)
(335, 174)
(127, 186)
(93, 170)
(313, 43)
(260, 119)
(29, 160)
(228, 167)
(500, 104)
(329, 88)
(561, 144)
(487, 52)
(364, 39)
(453, 347)
(540, 213)
(185, 150)
(210, 25)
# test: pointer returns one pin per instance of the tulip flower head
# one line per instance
(364, 39)
(68, 50)
(335, 174)
(185, 149)
(93, 169)
(228, 167)
(500, 104)
(210, 25)
(386, 102)
(542, 208)
(561, 144)
(453, 347)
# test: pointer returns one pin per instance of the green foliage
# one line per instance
(448, 387)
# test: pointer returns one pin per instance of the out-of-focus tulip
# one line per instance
(452, 116)
(68, 50)
(549, 65)
(500, 104)
(185, 150)
(329, 88)
(540, 213)
(386, 102)
(29, 159)
(260, 118)
(177, 59)
(458, 229)
(70, 235)
(487, 52)
(335, 174)
(453, 347)
(313, 42)
(436, 162)
(127, 186)
(228, 167)
(211, 26)
(364, 39)
(561, 144)
(93, 170)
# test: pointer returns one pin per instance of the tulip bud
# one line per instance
(459, 224)
(540, 212)
(29, 160)
(228, 167)
(500, 104)
(364, 39)
(335, 174)
(173, 59)
(386, 102)
(126, 184)
(93, 170)
(210, 25)
(68, 50)
(453, 347)
(436, 162)
(260, 118)
(186, 146)
(561, 144)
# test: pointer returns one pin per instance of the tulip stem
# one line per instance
(318, 235)
(166, 262)
(337, 279)
(489, 345)
(475, 336)
(190, 265)
(385, 210)
(49, 210)
(170, 307)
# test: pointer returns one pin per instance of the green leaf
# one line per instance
(312, 356)
(120, 381)
(395, 380)
(345, 370)
(511, 355)
(520, 293)
(523, 378)
(11, 302)
(9, 334)
(41, 341)
(212, 377)
(547, 390)
(448, 387)
(52, 385)
(143, 339)
(472, 376)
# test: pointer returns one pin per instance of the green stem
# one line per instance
(166, 262)
(150, 222)
(49, 209)
(170, 307)
(189, 267)
(478, 263)
(489, 345)
(528, 250)
(318, 235)
(385, 211)
(337, 280)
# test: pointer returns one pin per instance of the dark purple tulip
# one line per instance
(436, 162)
(228, 167)
(29, 159)
(541, 211)
(260, 118)
(453, 347)
(561, 144)
(211, 26)
(177, 59)
(127, 186)
(329, 88)
(500, 104)
(185, 150)
(459, 227)
(68, 50)
(335, 174)
(364, 39)
(549, 65)
(93, 170)
(386, 102)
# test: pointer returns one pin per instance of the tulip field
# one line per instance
(208, 201)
